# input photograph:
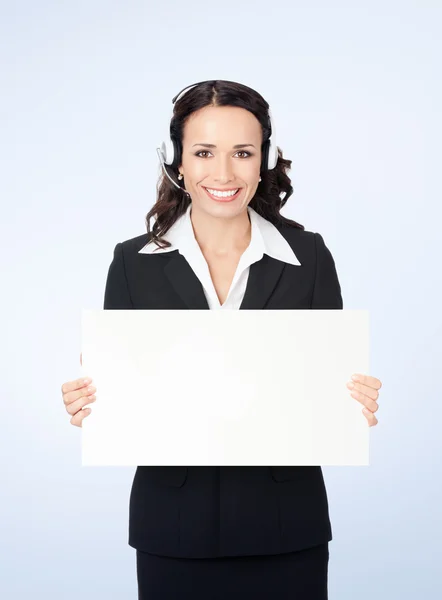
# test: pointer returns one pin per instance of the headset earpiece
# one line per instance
(271, 158)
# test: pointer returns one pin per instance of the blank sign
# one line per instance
(226, 387)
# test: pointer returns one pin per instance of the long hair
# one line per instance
(172, 203)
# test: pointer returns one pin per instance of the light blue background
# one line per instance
(86, 97)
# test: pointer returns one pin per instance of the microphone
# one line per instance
(160, 156)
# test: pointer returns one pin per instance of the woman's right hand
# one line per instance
(77, 394)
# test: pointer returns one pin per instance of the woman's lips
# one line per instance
(226, 198)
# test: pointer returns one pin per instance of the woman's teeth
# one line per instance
(219, 194)
(222, 194)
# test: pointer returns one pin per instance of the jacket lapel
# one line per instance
(185, 282)
(263, 277)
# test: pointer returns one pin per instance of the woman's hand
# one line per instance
(76, 394)
(365, 390)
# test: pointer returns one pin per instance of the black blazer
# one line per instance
(202, 511)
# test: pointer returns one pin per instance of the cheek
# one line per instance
(197, 172)
(250, 172)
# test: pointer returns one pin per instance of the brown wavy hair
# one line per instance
(172, 203)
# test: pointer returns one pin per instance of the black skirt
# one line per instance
(300, 575)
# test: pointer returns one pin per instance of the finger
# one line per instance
(77, 405)
(372, 382)
(365, 401)
(77, 384)
(81, 393)
(370, 417)
(77, 419)
(364, 389)
(71, 397)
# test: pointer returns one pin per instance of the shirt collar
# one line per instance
(265, 239)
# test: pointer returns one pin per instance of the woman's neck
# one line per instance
(221, 237)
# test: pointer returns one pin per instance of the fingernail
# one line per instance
(355, 378)
(87, 380)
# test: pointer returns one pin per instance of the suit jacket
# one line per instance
(201, 511)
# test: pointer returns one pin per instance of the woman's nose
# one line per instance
(223, 171)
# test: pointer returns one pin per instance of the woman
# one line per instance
(219, 241)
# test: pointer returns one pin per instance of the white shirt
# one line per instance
(265, 239)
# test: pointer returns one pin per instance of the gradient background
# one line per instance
(355, 93)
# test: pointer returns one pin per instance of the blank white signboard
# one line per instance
(225, 387)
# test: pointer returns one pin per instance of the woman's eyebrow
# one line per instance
(213, 145)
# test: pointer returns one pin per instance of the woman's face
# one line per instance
(221, 166)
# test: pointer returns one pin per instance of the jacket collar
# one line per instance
(265, 239)
(271, 252)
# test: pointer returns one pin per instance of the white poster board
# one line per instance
(224, 387)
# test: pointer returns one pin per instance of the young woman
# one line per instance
(219, 241)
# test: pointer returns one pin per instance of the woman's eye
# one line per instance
(239, 151)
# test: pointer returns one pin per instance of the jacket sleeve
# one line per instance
(117, 294)
(326, 290)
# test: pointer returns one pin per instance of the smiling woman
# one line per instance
(205, 532)
(221, 134)
(219, 241)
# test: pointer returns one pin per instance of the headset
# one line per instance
(169, 150)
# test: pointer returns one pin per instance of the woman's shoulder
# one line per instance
(135, 244)
(130, 251)
(309, 246)
(301, 241)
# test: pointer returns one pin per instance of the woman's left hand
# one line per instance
(365, 390)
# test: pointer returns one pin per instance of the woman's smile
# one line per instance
(220, 197)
